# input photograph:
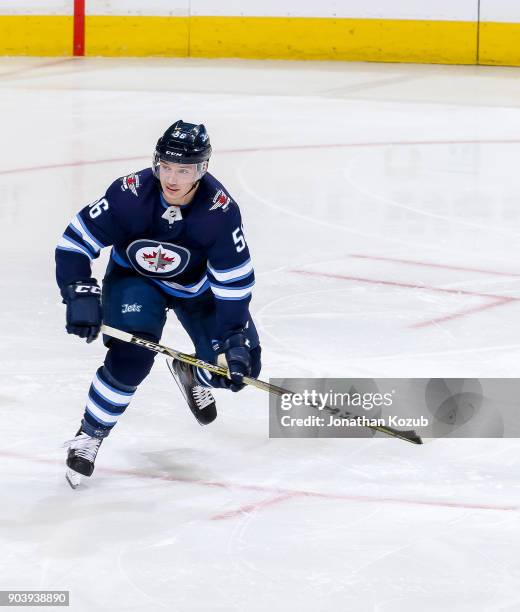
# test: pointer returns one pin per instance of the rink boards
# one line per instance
(458, 32)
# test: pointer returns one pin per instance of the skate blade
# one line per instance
(73, 478)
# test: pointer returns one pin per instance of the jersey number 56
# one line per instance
(97, 207)
(238, 239)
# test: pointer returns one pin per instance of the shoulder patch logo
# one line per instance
(221, 200)
(130, 182)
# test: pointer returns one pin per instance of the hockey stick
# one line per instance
(408, 436)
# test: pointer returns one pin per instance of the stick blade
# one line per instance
(411, 435)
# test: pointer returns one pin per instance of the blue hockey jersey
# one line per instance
(185, 250)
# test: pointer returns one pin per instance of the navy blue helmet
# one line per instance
(183, 143)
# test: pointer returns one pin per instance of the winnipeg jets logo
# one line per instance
(131, 308)
(158, 260)
(221, 200)
(130, 182)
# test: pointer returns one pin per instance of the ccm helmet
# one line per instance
(183, 143)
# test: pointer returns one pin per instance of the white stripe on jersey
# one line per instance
(76, 224)
(192, 289)
(229, 275)
(228, 292)
(68, 244)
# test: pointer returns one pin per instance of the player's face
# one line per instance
(177, 180)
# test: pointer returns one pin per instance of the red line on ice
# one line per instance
(255, 506)
(72, 164)
(35, 67)
(462, 313)
(346, 145)
(401, 284)
(425, 264)
(278, 492)
(497, 300)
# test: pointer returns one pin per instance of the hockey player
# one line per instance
(177, 243)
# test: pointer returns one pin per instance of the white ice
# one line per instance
(381, 204)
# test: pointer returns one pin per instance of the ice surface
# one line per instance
(381, 205)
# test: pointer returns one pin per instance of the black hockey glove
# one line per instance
(237, 351)
(83, 300)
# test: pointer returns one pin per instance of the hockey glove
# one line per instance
(238, 357)
(83, 300)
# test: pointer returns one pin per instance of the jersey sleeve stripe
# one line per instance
(231, 294)
(235, 283)
(70, 250)
(86, 234)
(234, 299)
(73, 234)
(232, 274)
(67, 244)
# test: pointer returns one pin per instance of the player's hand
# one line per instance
(236, 348)
(83, 300)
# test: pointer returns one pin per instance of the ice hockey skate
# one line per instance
(81, 457)
(199, 398)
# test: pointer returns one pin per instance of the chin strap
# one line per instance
(194, 186)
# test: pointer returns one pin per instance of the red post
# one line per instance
(79, 28)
